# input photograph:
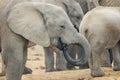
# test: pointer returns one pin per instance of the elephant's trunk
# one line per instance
(84, 56)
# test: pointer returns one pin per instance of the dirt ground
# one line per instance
(36, 63)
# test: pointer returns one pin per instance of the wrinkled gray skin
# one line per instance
(41, 27)
(26, 70)
(90, 4)
(75, 50)
(93, 3)
(83, 4)
(103, 37)
(75, 13)
(105, 60)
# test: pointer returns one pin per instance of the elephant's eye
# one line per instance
(78, 17)
(62, 26)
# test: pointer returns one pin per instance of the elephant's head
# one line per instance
(46, 25)
(73, 10)
(92, 4)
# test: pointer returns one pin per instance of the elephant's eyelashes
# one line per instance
(62, 26)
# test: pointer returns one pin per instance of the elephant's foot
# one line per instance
(70, 67)
(61, 68)
(116, 67)
(85, 66)
(106, 65)
(50, 70)
(97, 73)
(27, 70)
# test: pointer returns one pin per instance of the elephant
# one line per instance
(101, 27)
(41, 23)
(105, 61)
(75, 13)
(84, 5)
(87, 5)
(112, 3)
(90, 4)
(93, 3)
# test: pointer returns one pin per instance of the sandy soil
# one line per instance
(36, 63)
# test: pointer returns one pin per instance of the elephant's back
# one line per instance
(101, 23)
(103, 15)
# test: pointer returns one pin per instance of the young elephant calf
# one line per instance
(43, 24)
(101, 26)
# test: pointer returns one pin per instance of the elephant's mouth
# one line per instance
(75, 26)
(64, 47)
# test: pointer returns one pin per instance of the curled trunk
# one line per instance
(84, 56)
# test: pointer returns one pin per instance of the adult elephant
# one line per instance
(75, 13)
(83, 4)
(101, 26)
(90, 4)
(41, 23)
(93, 3)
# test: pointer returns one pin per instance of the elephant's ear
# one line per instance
(66, 5)
(30, 24)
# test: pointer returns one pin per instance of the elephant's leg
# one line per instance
(111, 56)
(105, 59)
(26, 69)
(84, 66)
(3, 65)
(97, 47)
(116, 58)
(49, 59)
(72, 53)
(13, 47)
(3, 69)
(96, 71)
(60, 61)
